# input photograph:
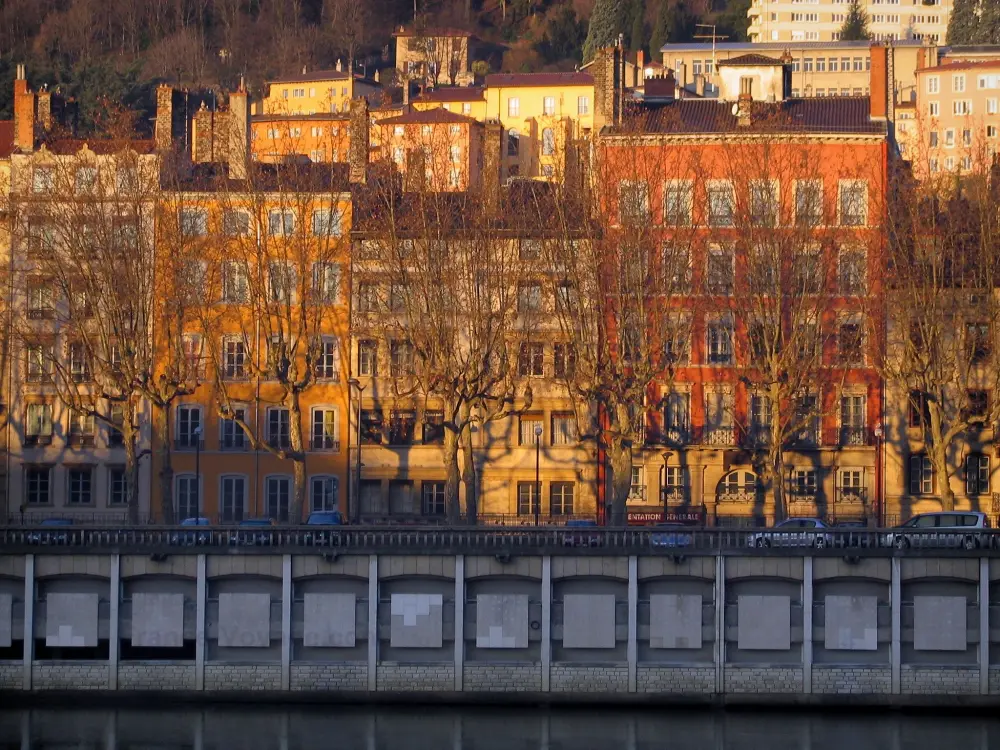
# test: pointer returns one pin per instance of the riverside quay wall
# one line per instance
(772, 626)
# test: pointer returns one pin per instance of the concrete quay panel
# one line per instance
(675, 621)
(501, 621)
(851, 623)
(589, 621)
(6, 619)
(71, 620)
(244, 620)
(158, 620)
(764, 623)
(416, 620)
(939, 623)
(329, 620)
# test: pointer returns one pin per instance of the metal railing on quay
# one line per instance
(498, 540)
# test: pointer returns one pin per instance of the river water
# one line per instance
(362, 728)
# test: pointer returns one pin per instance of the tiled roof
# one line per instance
(302, 175)
(436, 31)
(779, 46)
(522, 80)
(6, 138)
(691, 116)
(67, 146)
(751, 59)
(452, 94)
(429, 116)
(323, 116)
(956, 66)
(321, 75)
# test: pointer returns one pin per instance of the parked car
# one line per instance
(854, 534)
(252, 532)
(794, 532)
(582, 538)
(53, 531)
(192, 538)
(966, 529)
(671, 536)
(318, 537)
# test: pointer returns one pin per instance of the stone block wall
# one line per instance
(570, 678)
(242, 677)
(769, 679)
(329, 677)
(939, 680)
(397, 677)
(69, 675)
(149, 676)
(856, 680)
(502, 678)
(676, 680)
(11, 675)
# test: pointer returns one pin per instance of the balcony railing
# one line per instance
(757, 437)
(724, 436)
(676, 436)
(855, 436)
(30, 440)
(325, 443)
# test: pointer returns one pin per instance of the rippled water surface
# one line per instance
(359, 728)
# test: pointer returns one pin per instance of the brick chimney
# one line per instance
(238, 147)
(640, 68)
(202, 137)
(44, 109)
(163, 128)
(24, 112)
(609, 85)
(492, 153)
(358, 145)
(744, 107)
(879, 83)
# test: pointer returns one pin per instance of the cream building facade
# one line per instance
(821, 20)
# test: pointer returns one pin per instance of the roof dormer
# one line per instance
(761, 78)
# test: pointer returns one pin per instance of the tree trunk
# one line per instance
(778, 482)
(129, 433)
(469, 477)
(938, 454)
(298, 457)
(452, 475)
(620, 458)
(161, 429)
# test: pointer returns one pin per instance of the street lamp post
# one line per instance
(355, 501)
(663, 484)
(538, 483)
(197, 471)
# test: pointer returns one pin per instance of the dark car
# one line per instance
(854, 534)
(253, 532)
(580, 536)
(671, 536)
(192, 538)
(320, 537)
(54, 531)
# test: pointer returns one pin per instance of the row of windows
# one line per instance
(300, 93)
(548, 106)
(831, 65)
(40, 427)
(233, 496)
(85, 180)
(674, 480)
(280, 222)
(763, 202)
(402, 499)
(189, 428)
(282, 281)
(80, 488)
(317, 131)
(922, 478)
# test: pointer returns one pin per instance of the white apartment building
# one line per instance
(821, 20)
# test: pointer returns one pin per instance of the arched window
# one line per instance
(738, 482)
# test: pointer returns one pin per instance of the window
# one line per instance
(807, 420)
(851, 482)
(966, 137)
(367, 358)
(858, 65)
(921, 475)
(850, 344)
(633, 201)
(81, 428)
(368, 297)
(433, 428)
(561, 498)
(327, 359)
(81, 485)
(808, 203)
(991, 107)
(933, 139)
(807, 276)
(961, 107)
(991, 131)
(853, 203)
(977, 342)
(189, 426)
(563, 429)
(933, 84)
(326, 282)
(324, 429)
(853, 272)
(853, 420)
(323, 492)
(719, 275)
(85, 180)
(43, 180)
(234, 359)
(530, 361)
(117, 486)
(371, 426)
(528, 502)
(38, 424)
(583, 105)
(194, 222)
(549, 105)
(563, 360)
(432, 499)
(282, 278)
(326, 223)
(977, 474)
(677, 417)
(402, 427)
(934, 109)
(466, 108)
(720, 342)
(281, 223)
(548, 142)
(232, 504)
(278, 423)
(720, 204)
(513, 107)
(978, 405)
(116, 432)
(400, 358)
(40, 305)
(79, 362)
(761, 414)
(231, 435)
(235, 285)
(677, 203)
(529, 297)
(38, 485)
(530, 429)
(38, 364)
(277, 494)
(958, 83)
(513, 142)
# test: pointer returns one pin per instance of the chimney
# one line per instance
(492, 145)
(163, 127)
(44, 109)
(640, 68)
(744, 106)
(24, 112)
(879, 83)
(358, 145)
(406, 94)
(608, 86)
(238, 148)
(699, 84)
(201, 135)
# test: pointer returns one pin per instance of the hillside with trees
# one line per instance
(119, 49)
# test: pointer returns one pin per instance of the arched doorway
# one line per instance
(737, 499)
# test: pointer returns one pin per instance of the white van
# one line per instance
(961, 528)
